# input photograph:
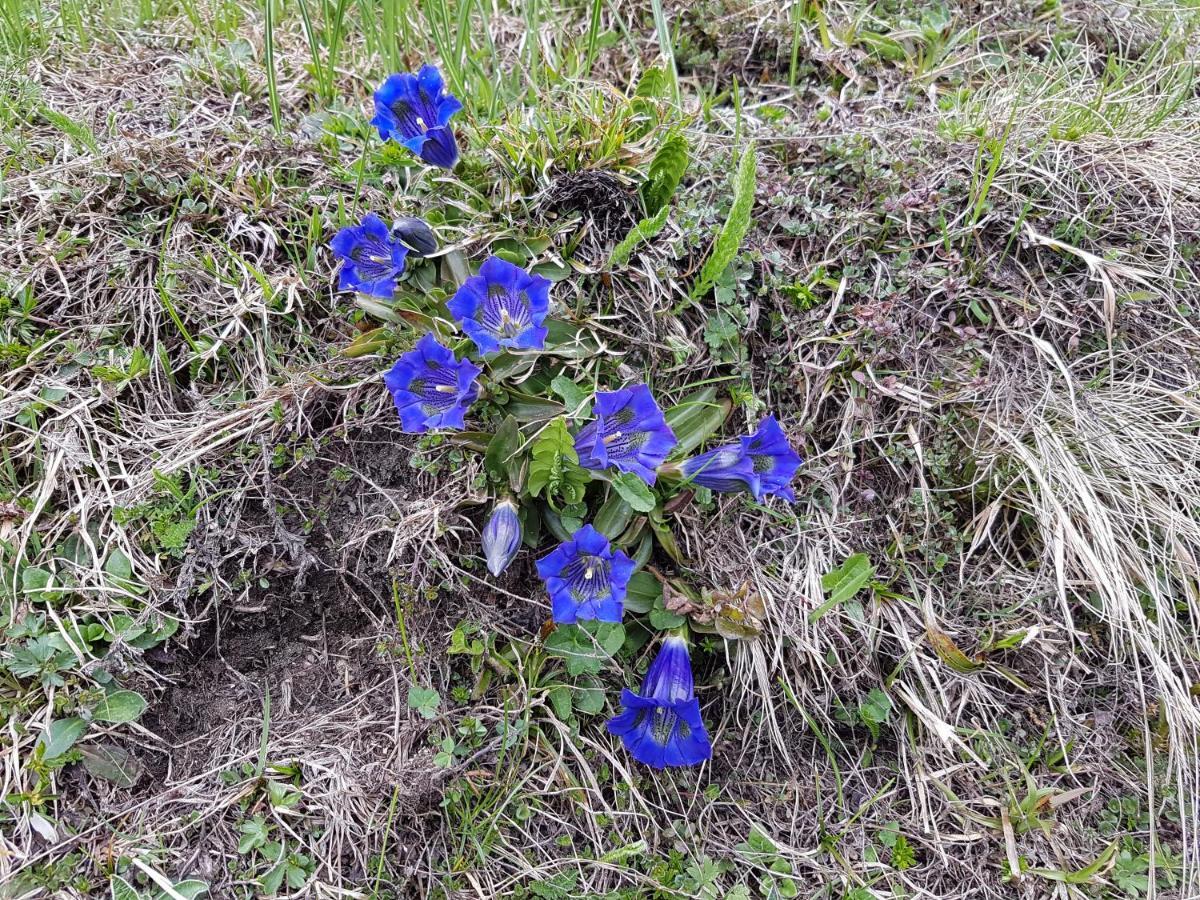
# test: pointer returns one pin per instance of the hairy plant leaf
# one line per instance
(61, 737)
(634, 491)
(666, 171)
(119, 706)
(737, 223)
(112, 763)
(587, 646)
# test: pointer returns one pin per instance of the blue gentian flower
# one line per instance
(661, 726)
(501, 536)
(762, 463)
(629, 432)
(371, 257)
(586, 579)
(502, 306)
(414, 110)
(431, 388)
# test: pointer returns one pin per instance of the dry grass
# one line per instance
(993, 384)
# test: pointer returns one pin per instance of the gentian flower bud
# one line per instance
(502, 536)
(416, 235)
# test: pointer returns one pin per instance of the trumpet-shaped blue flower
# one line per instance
(371, 258)
(414, 110)
(502, 306)
(661, 726)
(762, 463)
(501, 536)
(431, 388)
(586, 578)
(629, 432)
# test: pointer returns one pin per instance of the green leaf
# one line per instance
(665, 538)
(502, 458)
(118, 565)
(876, 708)
(37, 584)
(634, 491)
(560, 701)
(191, 889)
(587, 646)
(737, 223)
(662, 620)
(528, 408)
(589, 697)
(273, 880)
(643, 593)
(666, 171)
(424, 700)
(613, 517)
(121, 889)
(119, 706)
(61, 737)
(112, 763)
(643, 231)
(697, 417)
(843, 583)
(574, 397)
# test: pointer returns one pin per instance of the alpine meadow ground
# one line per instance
(252, 642)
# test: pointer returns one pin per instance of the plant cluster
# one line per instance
(562, 453)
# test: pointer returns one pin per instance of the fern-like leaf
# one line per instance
(666, 171)
(639, 234)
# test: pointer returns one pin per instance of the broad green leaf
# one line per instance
(587, 646)
(118, 565)
(843, 583)
(663, 620)
(589, 696)
(574, 397)
(61, 737)
(876, 708)
(697, 417)
(502, 459)
(560, 701)
(613, 517)
(643, 231)
(737, 223)
(424, 700)
(191, 889)
(634, 491)
(119, 706)
(112, 763)
(643, 593)
(528, 408)
(120, 889)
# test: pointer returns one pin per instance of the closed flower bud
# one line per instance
(501, 536)
(414, 234)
